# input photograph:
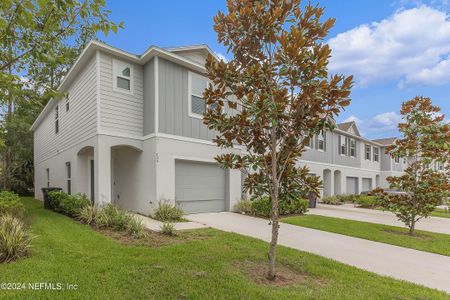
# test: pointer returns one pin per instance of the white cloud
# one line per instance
(409, 42)
(436, 75)
(221, 56)
(384, 122)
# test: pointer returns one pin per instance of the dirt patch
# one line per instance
(257, 272)
(415, 235)
(156, 239)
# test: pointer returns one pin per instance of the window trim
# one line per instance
(56, 119)
(350, 147)
(115, 65)
(377, 154)
(323, 134)
(190, 94)
(370, 152)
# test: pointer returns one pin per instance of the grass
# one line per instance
(424, 240)
(439, 212)
(215, 266)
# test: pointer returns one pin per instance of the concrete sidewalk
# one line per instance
(156, 225)
(348, 211)
(431, 270)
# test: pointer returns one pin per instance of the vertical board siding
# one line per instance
(75, 125)
(149, 97)
(173, 104)
(120, 112)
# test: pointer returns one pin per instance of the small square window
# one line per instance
(197, 85)
(321, 142)
(123, 83)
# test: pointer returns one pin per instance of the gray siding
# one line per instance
(173, 103)
(385, 160)
(120, 112)
(149, 97)
(75, 125)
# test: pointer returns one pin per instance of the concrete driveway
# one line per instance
(348, 211)
(431, 270)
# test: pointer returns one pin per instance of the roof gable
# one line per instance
(349, 127)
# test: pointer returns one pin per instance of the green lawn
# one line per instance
(425, 241)
(439, 212)
(211, 267)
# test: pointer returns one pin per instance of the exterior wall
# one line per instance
(194, 56)
(173, 102)
(149, 97)
(120, 111)
(170, 149)
(77, 125)
(57, 167)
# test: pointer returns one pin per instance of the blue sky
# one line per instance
(395, 49)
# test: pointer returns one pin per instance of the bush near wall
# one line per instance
(262, 206)
(10, 204)
(70, 205)
(367, 201)
(332, 200)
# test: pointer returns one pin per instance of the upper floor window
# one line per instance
(368, 150)
(342, 145)
(197, 104)
(376, 154)
(67, 103)
(56, 119)
(397, 159)
(310, 143)
(321, 142)
(352, 147)
(123, 76)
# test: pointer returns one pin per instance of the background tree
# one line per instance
(425, 144)
(273, 96)
(39, 41)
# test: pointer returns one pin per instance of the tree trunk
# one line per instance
(273, 243)
(412, 225)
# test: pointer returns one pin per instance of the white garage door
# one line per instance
(352, 185)
(366, 184)
(199, 187)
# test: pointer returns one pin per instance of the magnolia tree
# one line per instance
(273, 96)
(426, 147)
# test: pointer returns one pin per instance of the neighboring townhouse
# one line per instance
(129, 131)
(349, 163)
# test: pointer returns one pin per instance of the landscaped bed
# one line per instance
(423, 240)
(208, 264)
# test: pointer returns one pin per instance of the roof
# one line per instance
(386, 141)
(345, 126)
(93, 46)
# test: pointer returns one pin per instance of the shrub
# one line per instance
(168, 229)
(67, 204)
(113, 217)
(89, 214)
(10, 204)
(333, 200)
(135, 227)
(72, 205)
(367, 201)
(166, 212)
(244, 206)
(346, 198)
(14, 238)
(262, 206)
(297, 206)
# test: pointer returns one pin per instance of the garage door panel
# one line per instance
(199, 187)
(352, 185)
(366, 184)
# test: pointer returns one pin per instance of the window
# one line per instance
(69, 178)
(352, 147)
(67, 103)
(342, 145)
(123, 74)
(368, 151)
(310, 143)
(376, 154)
(56, 119)
(197, 85)
(48, 176)
(321, 142)
(397, 159)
